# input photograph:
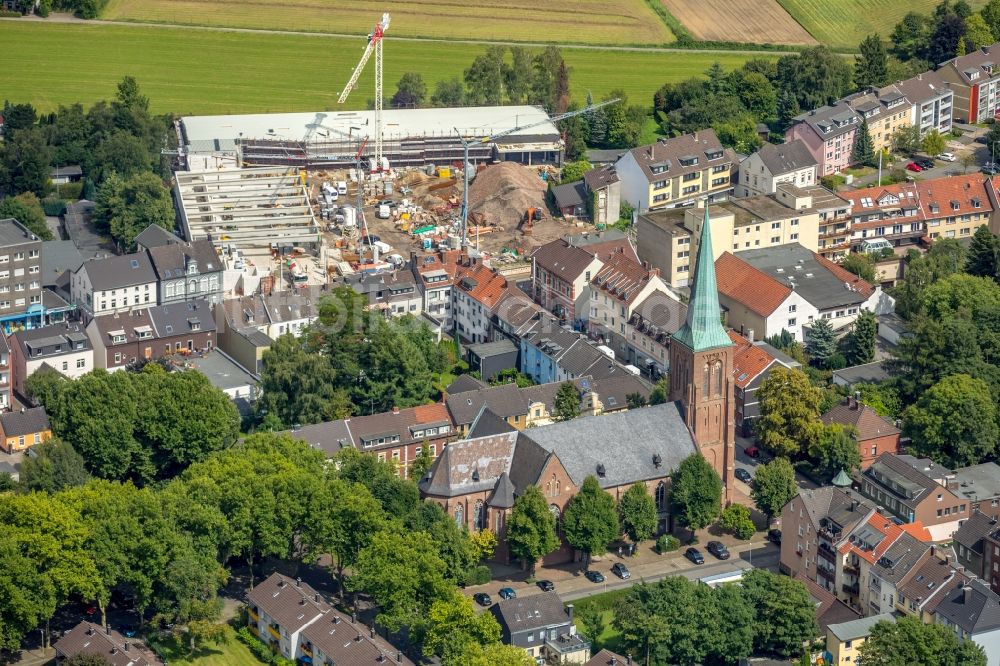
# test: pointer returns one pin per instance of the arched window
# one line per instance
(718, 378)
(480, 516)
(707, 390)
(554, 510)
(459, 515)
(661, 496)
(193, 287)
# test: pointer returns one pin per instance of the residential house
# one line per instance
(156, 236)
(844, 640)
(225, 374)
(752, 363)
(834, 212)
(514, 313)
(491, 358)
(399, 435)
(608, 658)
(156, 332)
(991, 559)
(886, 110)
(868, 373)
(758, 304)
(5, 400)
(477, 290)
(572, 200)
(668, 239)
(920, 591)
(913, 489)
(973, 78)
(772, 164)
(71, 173)
(87, 638)
(63, 347)
(59, 259)
(884, 553)
(956, 206)
(548, 353)
(20, 276)
(22, 429)
(829, 609)
(648, 331)
(980, 484)
(970, 543)
(972, 610)
(890, 212)
(395, 293)
(932, 102)
(435, 275)
(562, 269)
(298, 623)
(676, 172)
(291, 311)
(114, 284)
(187, 271)
(828, 133)
(874, 434)
(543, 626)
(605, 187)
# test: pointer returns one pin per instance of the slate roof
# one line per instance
(899, 558)
(613, 391)
(606, 658)
(669, 152)
(90, 638)
(659, 314)
(753, 288)
(351, 644)
(517, 311)
(978, 482)
(570, 195)
(291, 603)
(116, 272)
(924, 584)
(464, 383)
(155, 236)
(504, 400)
(184, 318)
(601, 177)
(52, 340)
(470, 465)
(639, 434)
(563, 259)
(783, 158)
(58, 256)
(829, 609)
(528, 462)
(979, 613)
(973, 531)
(170, 260)
(893, 472)
(982, 61)
(497, 348)
(830, 121)
(293, 305)
(860, 628)
(869, 372)
(130, 324)
(862, 418)
(24, 422)
(532, 612)
(487, 423)
(923, 87)
(503, 494)
(836, 505)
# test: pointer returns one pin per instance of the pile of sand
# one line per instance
(501, 194)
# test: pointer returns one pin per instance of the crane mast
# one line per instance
(374, 44)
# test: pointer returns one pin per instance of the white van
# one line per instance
(342, 187)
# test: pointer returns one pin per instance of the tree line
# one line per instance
(116, 144)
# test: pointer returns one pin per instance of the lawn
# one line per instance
(562, 21)
(844, 23)
(213, 72)
(232, 653)
(610, 637)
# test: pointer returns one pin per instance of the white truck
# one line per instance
(384, 212)
(342, 187)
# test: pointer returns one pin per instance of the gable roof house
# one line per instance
(22, 429)
(88, 638)
(971, 543)
(571, 200)
(64, 347)
(605, 186)
(477, 291)
(828, 132)
(772, 164)
(923, 588)
(114, 284)
(187, 271)
(972, 611)
(874, 434)
(758, 304)
(435, 275)
(932, 102)
(974, 79)
(752, 363)
(886, 110)
(542, 626)
(648, 331)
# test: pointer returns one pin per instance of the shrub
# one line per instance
(6, 13)
(833, 182)
(70, 191)
(667, 543)
(53, 206)
(735, 519)
(478, 575)
(257, 646)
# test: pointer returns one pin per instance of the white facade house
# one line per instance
(114, 284)
(771, 165)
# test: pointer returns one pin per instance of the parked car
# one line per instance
(694, 555)
(990, 169)
(621, 571)
(369, 240)
(743, 475)
(386, 202)
(718, 549)
(774, 536)
(947, 157)
(482, 599)
(128, 631)
(925, 162)
(594, 576)
(752, 451)
(914, 167)
(546, 585)
(507, 593)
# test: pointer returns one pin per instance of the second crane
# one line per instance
(374, 44)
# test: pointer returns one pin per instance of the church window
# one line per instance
(459, 514)
(718, 378)
(707, 390)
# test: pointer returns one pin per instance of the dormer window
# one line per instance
(713, 154)
(192, 267)
(954, 205)
(195, 324)
(689, 160)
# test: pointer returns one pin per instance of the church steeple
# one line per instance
(703, 330)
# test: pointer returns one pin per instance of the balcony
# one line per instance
(567, 644)
(852, 570)
(306, 649)
(853, 589)
(828, 574)
(274, 633)
(253, 615)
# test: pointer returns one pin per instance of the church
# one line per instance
(476, 480)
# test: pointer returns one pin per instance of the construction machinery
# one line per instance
(531, 216)
(492, 137)
(374, 44)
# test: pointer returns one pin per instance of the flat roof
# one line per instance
(13, 232)
(219, 133)
(223, 372)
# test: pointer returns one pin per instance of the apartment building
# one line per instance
(773, 164)
(5, 381)
(63, 347)
(844, 639)
(114, 284)
(186, 271)
(20, 275)
(974, 80)
(648, 332)
(834, 213)
(435, 275)
(676, 172)
(752, 363)
(885, 110)
(828, 132)
(931, 102)
(477, 291)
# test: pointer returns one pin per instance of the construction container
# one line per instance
(444, 172)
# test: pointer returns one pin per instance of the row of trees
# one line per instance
(953, 29)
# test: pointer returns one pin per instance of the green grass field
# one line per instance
(844, 23)
(564, 21)
(231, 653)
(215, 72)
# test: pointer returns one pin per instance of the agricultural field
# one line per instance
(216, 72)
(562, 21)
(844, 23)
(759, 21)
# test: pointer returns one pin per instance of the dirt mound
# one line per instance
(501, 193)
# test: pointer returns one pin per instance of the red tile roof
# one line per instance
(891, 532)
(925, 200)
(753, 288)
(623, 277)
(489, 287)
(864, 419)
(749, 360)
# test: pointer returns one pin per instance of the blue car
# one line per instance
(507, 593)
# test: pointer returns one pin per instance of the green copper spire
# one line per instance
(703, 328)
(841, 480)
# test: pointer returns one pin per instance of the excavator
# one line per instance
(531, 216)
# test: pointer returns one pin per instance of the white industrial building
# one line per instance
(411, 137)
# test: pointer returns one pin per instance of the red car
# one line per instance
(914, 167)
(752, 451)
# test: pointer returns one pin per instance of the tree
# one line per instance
(544, 84)
(26, 209)
(954, 422)
(637, 513)
(597, 124)
(910, 36)
(933, 143)
(301, 387)
(735, 519)
(861, 341)
(18, 117)
(861, 264)
(883, 398)
(123, 153)
(590, 521)
(695, 493)
(404, 576)
(448, 92)
(816, 76)
(943, 44)
(574, 171)
(410, 91)
(863, 152)
(758, 95)
(738, 132)
(977, 33)
(822, 343)
(85, 659)
(129, 96)
(484, 79)
(422, 463)
(517, 77)
(497, 654)
(983, 258)
(908, 641)
(55, 467)
(906, 140)
(452, 622)
(788, 108)
(871, 69)
(24, 163)
(836, 449)
(773, 486)
(785, 610)
(789, 411)
(991, 16)
(567, 402)
(127, 206)
(531, 528)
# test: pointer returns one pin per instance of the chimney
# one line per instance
(371, 632)
(966, 594)
(854, 505)
(933, 550)
(354, 618)
(395, 409)
(569, 611)
(628, 659)
(107, 629)
(316, 597)
(857, 399)
(614, 660)
(298, 582)
(399, 657)
(126, 646)
(750, 335)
